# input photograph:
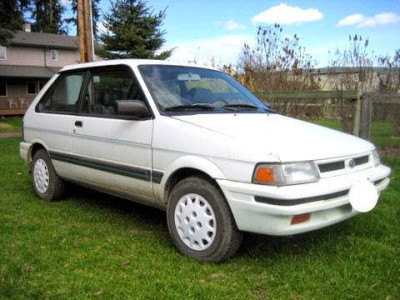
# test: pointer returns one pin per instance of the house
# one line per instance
(29, 62)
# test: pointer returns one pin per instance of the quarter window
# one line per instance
(54, 55)
(3, 53)
(106, 87)
(63, 97)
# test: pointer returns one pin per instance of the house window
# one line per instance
(3, 89)
(54, 55)
(3, 53)
(31, 88)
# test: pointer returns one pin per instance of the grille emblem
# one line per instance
(352, 163)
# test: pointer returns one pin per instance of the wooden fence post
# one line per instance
(357, 113)
(366, 116)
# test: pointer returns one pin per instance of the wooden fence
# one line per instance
(351, 107)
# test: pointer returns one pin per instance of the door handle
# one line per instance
(78, 123)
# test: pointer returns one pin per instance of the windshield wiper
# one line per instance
(239, 105)
(194, 106)
(244, 105)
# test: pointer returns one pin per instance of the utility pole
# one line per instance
(85, 30)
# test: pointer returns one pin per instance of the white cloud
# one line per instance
(232, 25)
(361, 21)
(221, 50)
(351, 20)
(101, 27)
(66, 3)
(286, 14)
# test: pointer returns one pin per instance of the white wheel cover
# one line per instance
(195, 222)
(41, 176)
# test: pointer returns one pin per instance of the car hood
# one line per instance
(288, 138)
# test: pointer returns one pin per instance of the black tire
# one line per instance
(48, 186)
(226, 237)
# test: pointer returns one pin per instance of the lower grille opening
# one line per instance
(281, 202)
(299, 201)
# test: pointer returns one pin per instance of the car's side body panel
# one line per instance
(120, 147)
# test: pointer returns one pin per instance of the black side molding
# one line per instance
(156, 176)
(133, 172)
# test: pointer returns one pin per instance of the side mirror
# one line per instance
(132, 108)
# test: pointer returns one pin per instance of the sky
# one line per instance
(205, 31)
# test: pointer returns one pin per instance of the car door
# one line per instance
(55, 115)
(112, 152)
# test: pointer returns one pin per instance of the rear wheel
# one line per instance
(46, 183)
(200, 221)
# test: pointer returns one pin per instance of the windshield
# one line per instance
(191, 89)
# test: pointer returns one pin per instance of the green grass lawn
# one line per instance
(382, 132)
(91, 245)
(10, 124)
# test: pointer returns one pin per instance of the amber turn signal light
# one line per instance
(264, 174)
(300, 219)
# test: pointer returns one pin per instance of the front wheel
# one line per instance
(46, 183)
(200, 221)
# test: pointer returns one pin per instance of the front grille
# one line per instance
(333, 166)
(361, 160)
(341, 164)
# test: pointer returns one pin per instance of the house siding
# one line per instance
(65, 57)
(21, 56)
(25, 56)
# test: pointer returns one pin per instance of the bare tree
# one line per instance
(351, 70)
(277, 63)
(389, 72)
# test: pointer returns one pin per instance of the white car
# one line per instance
(194, 142)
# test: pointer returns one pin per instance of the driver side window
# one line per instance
(105, 88)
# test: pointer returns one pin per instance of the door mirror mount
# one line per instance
(136, 109)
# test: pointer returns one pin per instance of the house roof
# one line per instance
(27, 71)
(45, 40)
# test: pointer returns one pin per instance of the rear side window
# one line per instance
(105, 88)
(63, 96)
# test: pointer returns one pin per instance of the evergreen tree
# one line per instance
(48, 16)
(95, 16)
(11, 18)
(134, 31)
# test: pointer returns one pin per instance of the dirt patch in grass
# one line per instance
(4, 125)
(10, 134)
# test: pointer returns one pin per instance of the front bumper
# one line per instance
(275, 219)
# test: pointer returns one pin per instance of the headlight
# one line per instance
(375, 158)
(285, 174)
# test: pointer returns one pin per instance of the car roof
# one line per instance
(128, 62)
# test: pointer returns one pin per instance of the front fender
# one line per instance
(190, 161)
